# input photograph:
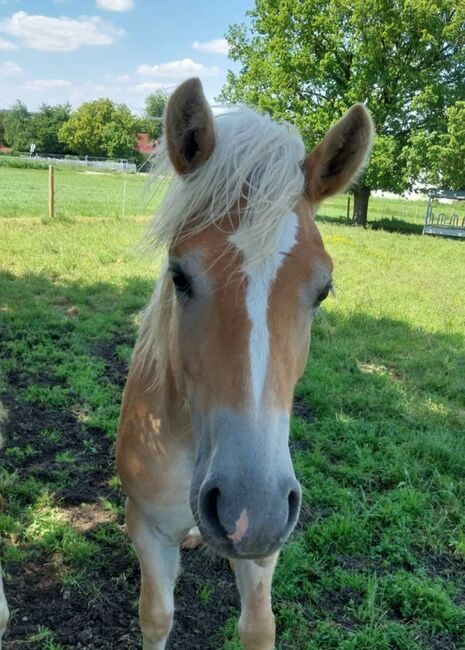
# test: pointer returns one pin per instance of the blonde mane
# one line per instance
(255, 171)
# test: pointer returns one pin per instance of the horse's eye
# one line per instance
(181, 281)
(323, 294)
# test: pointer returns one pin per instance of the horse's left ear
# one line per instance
(189, 130)
(336, 161)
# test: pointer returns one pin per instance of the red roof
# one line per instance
(4, 149)
(144, 143)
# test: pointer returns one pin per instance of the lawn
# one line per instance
(86, 193)
(378, 560)
(79, 192)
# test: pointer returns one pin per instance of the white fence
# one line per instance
(121, 165)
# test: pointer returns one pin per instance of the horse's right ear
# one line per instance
(340, 156)
(189, 129)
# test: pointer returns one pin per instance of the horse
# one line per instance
(4, 613)
(203, 437)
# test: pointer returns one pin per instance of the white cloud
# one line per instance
(59, 34)
(46, 84)
(10, 69)
(215, 46)
(7, 45)
(120, 78)
(151, 86)
(89, 91)
(176, 69)
(115, 5)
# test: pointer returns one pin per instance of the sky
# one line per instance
(56, 51)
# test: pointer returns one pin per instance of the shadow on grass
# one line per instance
(399, 226)
(341, 221)
(65, 348)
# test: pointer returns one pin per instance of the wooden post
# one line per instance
(348, 207)
(51, 193)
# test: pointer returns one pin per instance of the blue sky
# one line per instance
(75, 50)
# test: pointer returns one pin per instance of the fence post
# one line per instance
(51, 193)
(123, 202)
(348, 207)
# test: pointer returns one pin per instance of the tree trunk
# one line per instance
(361, 198)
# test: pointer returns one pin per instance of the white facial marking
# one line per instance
(242, 525)
(258, 290)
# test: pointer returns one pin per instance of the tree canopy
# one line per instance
(100, 128)
(307, 61)
(17, 127)
(2, 127)
(155, 104)
(45, 126)
(23, 128)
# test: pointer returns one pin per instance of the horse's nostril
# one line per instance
(210, 511)
(293, 507)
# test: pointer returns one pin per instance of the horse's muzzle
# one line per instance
(247, 519)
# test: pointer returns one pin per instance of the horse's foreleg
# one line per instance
(159, 560)
(256, 624)
(4, 614)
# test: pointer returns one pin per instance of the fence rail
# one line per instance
(111, 165)
(120, 165)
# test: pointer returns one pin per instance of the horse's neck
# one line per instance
(160, 398)
(173, 401)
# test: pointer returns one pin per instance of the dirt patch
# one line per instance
(303, 410)
(337, 605)
(86, 517)
(197, 623)
(100, 610)
(362, 563)
(116, 369)
(102, 613)
(86, 478)
(449, 567)
(441, 641)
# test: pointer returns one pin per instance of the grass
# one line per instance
(78, 193)
(390, 213)
(84, 193)
(378, 561)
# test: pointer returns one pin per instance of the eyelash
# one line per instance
(323, 294)
(181, 281)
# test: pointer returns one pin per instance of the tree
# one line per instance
(2, 127)
(100, 128)
(452, 149)
(17, 125)
(45, 126)
(155, 104)
(437, 158)
(307, 61)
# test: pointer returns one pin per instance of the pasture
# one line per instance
(378, 559)
(82, 192)
(78, 192)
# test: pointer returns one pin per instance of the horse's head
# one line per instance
(247, 283)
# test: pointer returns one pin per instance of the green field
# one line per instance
(378, 561)
(90, 193)
(78, 193)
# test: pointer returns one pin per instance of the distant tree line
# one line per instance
(101, 128)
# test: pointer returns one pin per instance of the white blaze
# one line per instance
(260, 278)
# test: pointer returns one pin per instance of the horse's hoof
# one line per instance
(193, 539)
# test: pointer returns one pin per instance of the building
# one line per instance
(144, 144)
